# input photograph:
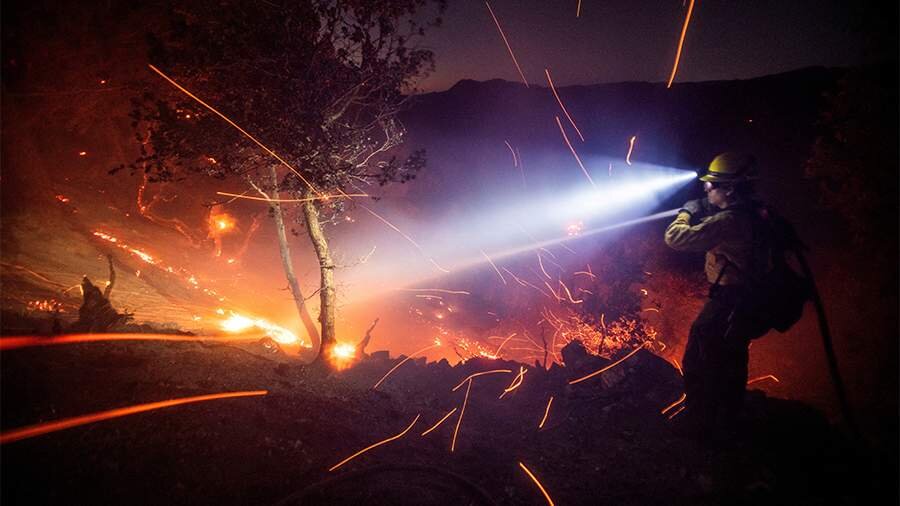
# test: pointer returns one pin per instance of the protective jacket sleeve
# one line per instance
(711, 231)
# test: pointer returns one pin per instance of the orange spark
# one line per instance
(497, 353)
(541, 263)
(578, 10)
(472, 376)
(536, 482)
(630, 149)
(569, 294)
(494, 266)
(561, 106)
(677, 366)
(321, 197)
(508, 47)
(408, 238)
(440, 290)
(676, 412)
(763, 378)
(546, 413)
(586, 273)
(670, 406)
(435, 426)
(461, 413)
(232, 123)
(435, 345)
(610, 366)
(515, 160)
(16, 342)
(515, 382)
(577, 159)
(82, 153)
(67, 423)
(687, 19)
(364, 450)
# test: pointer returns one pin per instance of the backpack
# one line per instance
(781, 292)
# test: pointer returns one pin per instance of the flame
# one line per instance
(342, 355)
(221, 224)
(237, 323)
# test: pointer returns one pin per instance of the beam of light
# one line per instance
(577, 159)
(67, 423)
(546, 413)
(16, 342)
(235, 125)
(516, 382)
(536, 482)
(670, 406)
(461, 413)
(494, 266)
(473, 376)
(408, 238)
(630, 149)
(610, 366)
(438, 424)
(763, 378)
(505, 41)
(264, 199)
(515, 160)
(364, 450)
(562, 106)
(435, 345)
(676, 412)
(687, 20)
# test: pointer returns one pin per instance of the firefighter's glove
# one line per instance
(694, 208)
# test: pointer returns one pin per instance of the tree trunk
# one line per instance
(326, 268)
(307, 320)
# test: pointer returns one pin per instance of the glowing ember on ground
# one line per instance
(439, 422)
(364, 450)
(687, 20)
(49, 305)
(45, 428)
(546, 413)
(237, 323)
(574, 229)
(536, 482)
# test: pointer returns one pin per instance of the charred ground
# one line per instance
(604, 440)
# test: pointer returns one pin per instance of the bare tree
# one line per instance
(318, 83)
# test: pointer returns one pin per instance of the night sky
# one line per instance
(636, 40)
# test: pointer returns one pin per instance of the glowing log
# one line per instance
(364, 450)
(538, 483)
(45, 428)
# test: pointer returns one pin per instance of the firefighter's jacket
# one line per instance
(727, 237)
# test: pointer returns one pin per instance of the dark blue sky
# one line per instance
(615, 40)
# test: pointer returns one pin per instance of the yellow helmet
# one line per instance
(731, 167)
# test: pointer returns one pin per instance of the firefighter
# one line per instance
(716, 356)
